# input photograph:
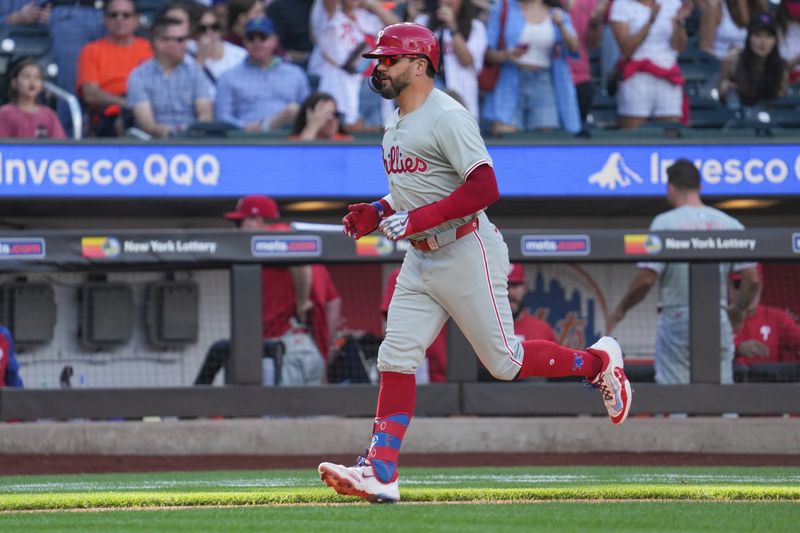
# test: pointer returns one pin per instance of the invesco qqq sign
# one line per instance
(345, 170)
(154, 169)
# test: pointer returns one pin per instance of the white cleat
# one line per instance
(359, 481)
(615, 387)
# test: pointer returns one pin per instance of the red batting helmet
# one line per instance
(407, 38)
(254, 205)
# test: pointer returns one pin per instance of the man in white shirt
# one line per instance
(672, 357)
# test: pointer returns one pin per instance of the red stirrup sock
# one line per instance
(551, 360)
(396, 399)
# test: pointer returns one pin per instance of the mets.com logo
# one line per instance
(548, 245)
(21, 248)
(286, 246)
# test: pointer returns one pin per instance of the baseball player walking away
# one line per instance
(440, 181)
(689, 213)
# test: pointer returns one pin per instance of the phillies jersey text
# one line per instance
(429, 152)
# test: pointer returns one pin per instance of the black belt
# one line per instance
(97, 4)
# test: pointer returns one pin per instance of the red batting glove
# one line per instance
(361, 220)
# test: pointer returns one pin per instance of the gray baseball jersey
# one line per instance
(674, 277)
(427, 154)
(672, 339)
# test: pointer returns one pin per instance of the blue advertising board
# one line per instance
(343, 171)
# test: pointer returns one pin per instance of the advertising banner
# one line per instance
(346, 171)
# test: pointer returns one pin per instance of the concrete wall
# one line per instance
(331, 435)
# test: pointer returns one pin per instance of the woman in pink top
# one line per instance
(23, 116)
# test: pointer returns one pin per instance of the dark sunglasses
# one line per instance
(390, 61)
(203, 28)
(180, 40)
(256, 36)
(119, 15)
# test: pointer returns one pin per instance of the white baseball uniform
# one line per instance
(427, 154)
(672, 358)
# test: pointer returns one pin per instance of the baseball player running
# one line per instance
(440, 181)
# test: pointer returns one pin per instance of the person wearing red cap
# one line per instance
(296, 300)
(769, 334)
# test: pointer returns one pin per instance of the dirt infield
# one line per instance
(24, 464)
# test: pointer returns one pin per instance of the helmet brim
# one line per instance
(382, 51)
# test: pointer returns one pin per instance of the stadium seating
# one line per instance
(603, 114)
(701, 72)
(147, 12)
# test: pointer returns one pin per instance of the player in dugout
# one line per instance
(301, 307)
(769, 334)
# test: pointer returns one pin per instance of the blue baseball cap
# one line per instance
(762, 21)
(260, 25)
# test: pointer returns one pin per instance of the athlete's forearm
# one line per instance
(639, 288)
(477, 192)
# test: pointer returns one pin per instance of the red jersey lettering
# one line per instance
(399, 164)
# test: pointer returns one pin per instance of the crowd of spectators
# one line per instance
(251, 63)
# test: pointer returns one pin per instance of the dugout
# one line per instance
(243, 394)
(612, 188)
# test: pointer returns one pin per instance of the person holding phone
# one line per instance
(463, 40)
(350, 29)
(535, 89)
(13, 12)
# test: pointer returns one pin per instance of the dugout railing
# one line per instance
(244, 396)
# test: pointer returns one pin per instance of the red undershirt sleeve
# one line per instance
(478, 191)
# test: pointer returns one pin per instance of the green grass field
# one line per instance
(445, 499)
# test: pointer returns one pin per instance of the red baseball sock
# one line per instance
(396, 399)
(551, 360)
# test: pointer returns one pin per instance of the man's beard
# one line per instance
(395, 86)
